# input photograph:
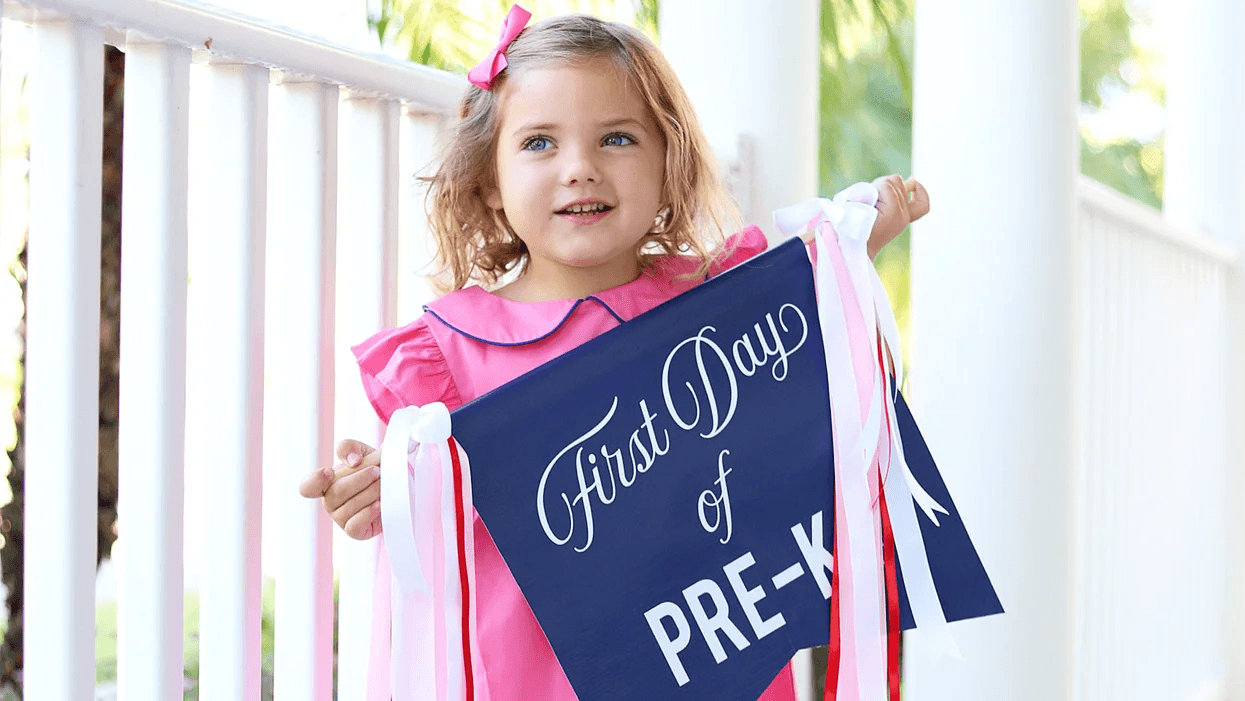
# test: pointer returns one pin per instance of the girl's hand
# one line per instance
(900, 202)
(350, 490)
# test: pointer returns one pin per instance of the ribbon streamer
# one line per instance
(426, 507)
(876, 493)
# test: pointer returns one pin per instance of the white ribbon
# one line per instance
(862, 651)
(421, 538)
(851, 214)
(398, 486)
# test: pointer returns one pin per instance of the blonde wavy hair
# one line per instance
(475, 243)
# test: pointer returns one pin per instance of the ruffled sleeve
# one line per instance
(403, 367)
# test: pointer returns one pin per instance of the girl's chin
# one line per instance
(600, 263)
(588, 258)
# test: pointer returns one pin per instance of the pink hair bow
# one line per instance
(486, 71)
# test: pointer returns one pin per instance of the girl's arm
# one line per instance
(900, 202)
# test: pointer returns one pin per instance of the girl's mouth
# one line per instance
(585, 213)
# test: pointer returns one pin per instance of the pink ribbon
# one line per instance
(495, 62)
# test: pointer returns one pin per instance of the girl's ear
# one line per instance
(492, 198)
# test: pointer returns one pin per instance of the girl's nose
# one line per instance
(581, 167)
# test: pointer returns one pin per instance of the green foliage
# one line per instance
(866, 107)
(432, 32)
(439, 34)
(1105, 46)
(848, 26)
(1111, 64)
(1110, 60)
(646, 18)
(106, 639)
(1127, 165)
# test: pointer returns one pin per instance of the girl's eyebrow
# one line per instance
(623, 121)
(610, 124)
(544, 126)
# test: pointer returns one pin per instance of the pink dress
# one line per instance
(470, 342)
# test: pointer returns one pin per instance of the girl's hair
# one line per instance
(476, 243)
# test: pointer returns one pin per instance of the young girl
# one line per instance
(578, 164)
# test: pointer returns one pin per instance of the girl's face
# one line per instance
(580, 167)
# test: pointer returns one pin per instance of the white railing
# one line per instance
(1152, 471)
(274, 172)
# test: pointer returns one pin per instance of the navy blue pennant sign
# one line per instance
(663, 494)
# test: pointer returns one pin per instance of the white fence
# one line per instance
(273, 171)
(1155, 511)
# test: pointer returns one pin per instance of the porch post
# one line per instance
(752, 72)
(995, 140)
(1204, 190)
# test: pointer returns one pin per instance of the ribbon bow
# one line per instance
(486, 71)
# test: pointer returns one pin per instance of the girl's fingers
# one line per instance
(894, 196)
(896, 185)
(352, 452)
(359, 502)
(316, 484)
(918, 205)
(363, 524)
(349, 484)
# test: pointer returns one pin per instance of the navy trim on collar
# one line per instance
(551, 332)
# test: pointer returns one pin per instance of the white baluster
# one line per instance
(301, 251)
(420, 137)
(62, 360)
(366, 264)
(225, 403)
(153, 371)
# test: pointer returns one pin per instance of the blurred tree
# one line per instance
(12, 521)
(439, 34)
(866, 105)
(1112, 64)
(866, 112)
(432, 32)
(110, 300)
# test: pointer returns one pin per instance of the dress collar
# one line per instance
(483, 316)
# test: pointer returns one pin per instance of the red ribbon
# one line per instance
(891, 586)
(461, 527)
(888, 547)
(892, 614)
(834, 652)
(892, 604)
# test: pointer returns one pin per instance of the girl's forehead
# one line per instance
(597, 90)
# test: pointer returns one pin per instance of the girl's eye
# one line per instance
(618, 139)
(537, 143)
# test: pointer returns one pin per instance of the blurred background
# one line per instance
(864, 129)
